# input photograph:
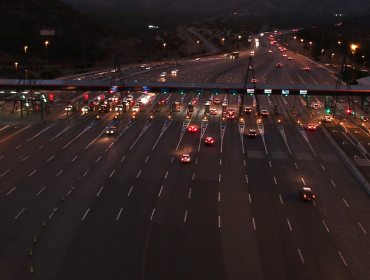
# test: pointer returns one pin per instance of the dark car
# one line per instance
(307, 194)
(252, 133)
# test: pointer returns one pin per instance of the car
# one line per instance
(284, 55)
(163, 74)
(119, 108)
(174, 72)
(265, 112)
(217, 101)
(270, 51)
(111, 130)
(231, 111)
(148, 68)
(327, 119)
(68, 108)
(307, 68)
(209, 141)
(247, 110)
(316, 106)
(311, 126)
(226, 55)
(231, 116)
(85, 109)
(197, 59)
(185, 158)
(252, 52)
(252, 133)
(290, 58)
(364, 119)
(307, 194)
(278, 65)
(213, 111)
(136, 108)
(192, 128)
(254, 80)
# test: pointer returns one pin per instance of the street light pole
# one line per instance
(164, 48)
(16, 70)
(46, 50)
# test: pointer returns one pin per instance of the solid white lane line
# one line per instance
(245, 163)
(32, 173)
(296, 166)
(52, 213)
(196, 160)
(106, 150)
(246, 178)
(166, 175)
(219, 177)
(130, 191)
(11, 190)
(193, 176)
(85, 173)
(281, 200)
(41, 147)
(313, 202)
(342, 258)
(172, 159)
(119, 213)
(345, 202)
(4, 173)
(220, 161)
(138, 174)
(59, 173)
(18, 146)
(189, 193)
(1, 157)
(270, 164)
(25, 158)
(304, 183)
(50, 158)
(100, 191)
(147, 159)
(98, 158)
(299, 251)
(325, 226)
(290, 227)
(123, 158)
(110, 145)
(186, 214)
(19, 214)
(219, 221)
(254, 224)
(275, 180)
(69, 192)
(85, 214)
(74, 159)
(362, 228)
(160, 191)
(322, 166)
(151, 217)
(219, 198)
(112, 173)
(332, 183)
(250, 199)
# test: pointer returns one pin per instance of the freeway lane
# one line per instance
(208, 219)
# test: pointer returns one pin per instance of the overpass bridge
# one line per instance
(13, 86)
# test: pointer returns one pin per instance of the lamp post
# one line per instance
(164, 48)
(236, 41)
(16, 70)
(322, 51)
(363, 59)
(46, 50)
(354, 47)
(223, 40)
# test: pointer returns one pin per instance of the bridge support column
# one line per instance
(308, 101)
(327, 105)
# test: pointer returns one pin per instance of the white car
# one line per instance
(68, 108)
(119, 108)
(163, 74)
(136, 108)
(174, 72)
(85, 109)
(327, 119)
(197, 59)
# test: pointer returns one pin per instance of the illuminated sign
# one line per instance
(267, 91)
(250, 90)
(113, 89)
(285, 91)
(303, 92)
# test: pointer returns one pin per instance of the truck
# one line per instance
(208, 107)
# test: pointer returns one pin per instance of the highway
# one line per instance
(79, 204)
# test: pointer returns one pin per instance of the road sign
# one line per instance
(303, 92)
(267, 91)
(147, 89)
(233, 91)
(215, 90)
(164, 90)
(250, 90)
(113, 89)
(285, 91)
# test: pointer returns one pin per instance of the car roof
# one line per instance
(185, 155)
(307, 189)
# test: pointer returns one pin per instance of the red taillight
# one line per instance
(313, 196)
(304, 196)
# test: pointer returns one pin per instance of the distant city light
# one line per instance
(153, 26)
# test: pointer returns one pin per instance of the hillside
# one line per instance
(78, 41)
